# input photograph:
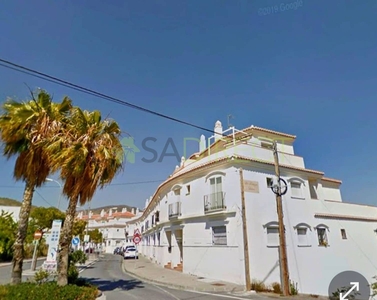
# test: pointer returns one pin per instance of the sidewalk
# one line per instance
(149, 271)
(81, 267)
(25, 261)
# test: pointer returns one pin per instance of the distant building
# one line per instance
(193, 222)
(112, 224)
(14, 210)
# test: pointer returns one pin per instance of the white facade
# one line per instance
(112, 224)
(193, 222)
(14, 210)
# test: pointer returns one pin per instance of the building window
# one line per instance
(266, 145)
(216, 185)
(269, 182)
(343, 233)
(159, 238)
(273, 236)
(302, 237)
(296, 190)
(188, 190)
(322, 237)
(219, 235)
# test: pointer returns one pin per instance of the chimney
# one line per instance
(110, 212)
(218, 130)
(202, 144)
(102, 212)
(133, 211)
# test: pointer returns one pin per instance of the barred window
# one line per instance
(219, 235)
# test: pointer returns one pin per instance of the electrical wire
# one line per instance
(43, 198)
(19, 68)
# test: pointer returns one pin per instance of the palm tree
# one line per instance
(89, 155)
(25, 128)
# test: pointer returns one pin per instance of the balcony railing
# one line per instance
(214, 202)
(174, 210)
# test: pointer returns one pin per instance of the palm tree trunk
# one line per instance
(18, 247)
(65, 242)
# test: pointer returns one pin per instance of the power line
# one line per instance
(43, 198)
(53, 79)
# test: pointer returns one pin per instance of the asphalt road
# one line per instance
(108, 275)
(5, 271)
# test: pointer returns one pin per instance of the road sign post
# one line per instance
(53, 247)
(37, 236)
(136, 239)
(75, 242)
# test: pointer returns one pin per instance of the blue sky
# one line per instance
(309, 71)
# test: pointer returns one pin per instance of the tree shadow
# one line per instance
(110, 285)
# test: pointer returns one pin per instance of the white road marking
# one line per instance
(170, 294)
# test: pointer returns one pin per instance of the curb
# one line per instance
(175, 286)
(25, 261)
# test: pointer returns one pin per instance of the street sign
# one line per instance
(53, 247)
(136, 239)
(136, 232)
(37, 235)
(75, 241)
(86, 238)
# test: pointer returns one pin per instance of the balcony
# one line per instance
(214, 202)
(174, 210)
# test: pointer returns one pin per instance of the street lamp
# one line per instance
(60, 196)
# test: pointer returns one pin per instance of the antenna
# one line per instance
(229, 118)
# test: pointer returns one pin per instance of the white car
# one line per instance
(131, 252)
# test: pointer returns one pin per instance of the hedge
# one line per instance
(48, 290)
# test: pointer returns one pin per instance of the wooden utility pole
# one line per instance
(282, 242)
(244, 227)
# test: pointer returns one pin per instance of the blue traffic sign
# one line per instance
(75, 241)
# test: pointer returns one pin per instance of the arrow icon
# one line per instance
(355, 285)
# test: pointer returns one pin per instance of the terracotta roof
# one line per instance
(219, 160)
(256, 128)
(126, 214)
(331, 180)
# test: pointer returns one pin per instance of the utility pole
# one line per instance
(282, 242)
(244, 227)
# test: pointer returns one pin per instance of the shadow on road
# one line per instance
(110, 285)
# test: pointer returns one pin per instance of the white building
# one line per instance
(14, 210)
(193, 222)
(112, 224)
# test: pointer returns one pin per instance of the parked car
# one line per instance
(131, 252)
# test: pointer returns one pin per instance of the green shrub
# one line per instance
(293, 288)
(49, 290)
(73, 274)
(41, 276)
(77, 257)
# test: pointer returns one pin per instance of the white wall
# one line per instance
(311, 266)
(14, 210)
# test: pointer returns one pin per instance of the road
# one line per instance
(5, 271)
(107, 274)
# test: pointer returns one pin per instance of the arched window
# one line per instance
(303, 231)
(296, 185)
(272, 234)
(322, 234)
